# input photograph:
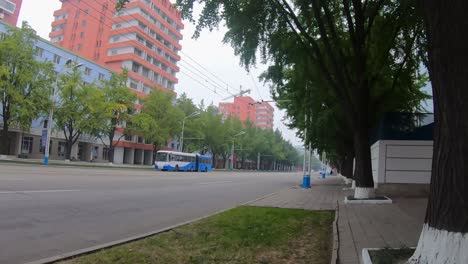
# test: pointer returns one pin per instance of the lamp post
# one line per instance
(232, 148)
(51, 113)
(183, 127)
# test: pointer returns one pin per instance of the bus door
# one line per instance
(197, 163)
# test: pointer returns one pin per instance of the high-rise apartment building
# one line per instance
(143, 37)
(245, 108)
(9, 11)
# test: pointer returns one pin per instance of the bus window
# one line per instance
(161, 157)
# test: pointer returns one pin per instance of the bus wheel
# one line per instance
(191, 169)
(206, 169)
(176, 167)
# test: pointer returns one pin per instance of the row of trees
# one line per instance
(106, 110)
(344, 63)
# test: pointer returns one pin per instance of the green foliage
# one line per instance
(114, 108)
(78, 106)
(160, 119)
(120, 4)
(343, 64)
(25, 84)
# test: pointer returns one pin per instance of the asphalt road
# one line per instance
(46, 211)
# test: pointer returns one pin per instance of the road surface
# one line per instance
(46, 211)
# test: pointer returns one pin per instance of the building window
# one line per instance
(87, 71)
(61, 148)
(27, 145)
(105, 153)
(86, 12)
(83, 23)
(138, 52)
(133, 84)
(79, 47)
(135, 67)
(115, 39)
(141, 140)
(101, 76)
(39, 52)
(128, 137)
(42, 149)
(81, 34)
(57, 59)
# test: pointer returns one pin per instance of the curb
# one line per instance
(336, 238)
(89, 250)
(368, 201)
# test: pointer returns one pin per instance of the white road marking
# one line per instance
(37, 191)
(213, 182)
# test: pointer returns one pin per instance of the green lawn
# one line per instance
(241, 235)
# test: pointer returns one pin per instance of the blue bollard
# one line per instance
(323, 175)
(306, 181)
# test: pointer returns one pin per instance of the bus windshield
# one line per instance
(161, 156)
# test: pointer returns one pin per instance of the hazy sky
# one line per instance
(215, 60)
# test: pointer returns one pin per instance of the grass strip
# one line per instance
(242, 235)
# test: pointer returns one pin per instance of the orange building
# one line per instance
(143, 37)
(9, 11)
(245, 108)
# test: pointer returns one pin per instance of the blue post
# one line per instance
(306, 181)
(46, 160)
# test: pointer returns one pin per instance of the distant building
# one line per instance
(245, 108)
(28, 144)
(9, 11)
(143, 37)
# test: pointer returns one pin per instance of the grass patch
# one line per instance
(391, 255)
(241, 235)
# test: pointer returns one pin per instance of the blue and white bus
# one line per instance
(180, 161)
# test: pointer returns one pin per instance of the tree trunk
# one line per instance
(111, 146)
(69, 149)
(363, 171)
(5, 139)
(111, 152)
(444, 238)
(348, 161)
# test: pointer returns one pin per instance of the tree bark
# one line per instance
(5, 139)
(347, 168)
(363, 170)
(111, 146)
(69, 149)
(444, 238)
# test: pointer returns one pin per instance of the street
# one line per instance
(46, 211)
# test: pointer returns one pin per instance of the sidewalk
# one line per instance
(359, 225)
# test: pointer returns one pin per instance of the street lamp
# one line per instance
(232, 148)
(51, 112)
(183, 127)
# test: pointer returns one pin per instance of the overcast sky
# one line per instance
(222, 67)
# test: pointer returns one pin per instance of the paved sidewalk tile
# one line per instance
(359, 225)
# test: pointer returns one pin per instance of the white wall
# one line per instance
(401, 161)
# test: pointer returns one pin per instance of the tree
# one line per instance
(342, 39)
(215, 136)
(444, 238)
(25, 83)
(114, 110)
(77, 107)
(158, 113)
(192, 133)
